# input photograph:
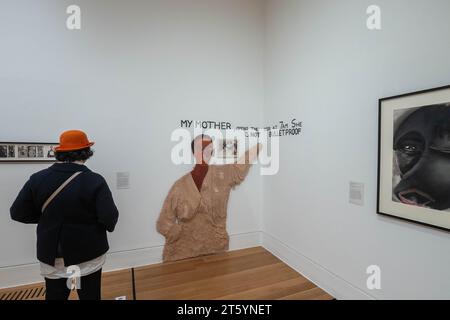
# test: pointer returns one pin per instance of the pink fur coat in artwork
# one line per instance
(194, 222)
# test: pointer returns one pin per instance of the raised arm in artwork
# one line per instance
(250, 155)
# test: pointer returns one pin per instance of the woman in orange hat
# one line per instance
(73, 208)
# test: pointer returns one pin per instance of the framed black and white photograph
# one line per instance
(27, 152)
(226, 149)
(414, 157)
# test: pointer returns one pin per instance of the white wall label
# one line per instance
(123, 180)
(356, 193)
(121, 298)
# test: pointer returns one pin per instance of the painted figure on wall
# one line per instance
(193, 217)
(422, 157)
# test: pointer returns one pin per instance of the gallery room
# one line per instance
(225, 149)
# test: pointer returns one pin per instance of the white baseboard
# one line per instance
(19, 275)
(319, 275)
(30, 273)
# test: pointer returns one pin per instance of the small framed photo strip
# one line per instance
(27, 152)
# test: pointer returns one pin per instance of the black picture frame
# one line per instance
(32, 147)
(381, 102)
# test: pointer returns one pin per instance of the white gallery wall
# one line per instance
(133, 71)
(139, 67)
(327, 69)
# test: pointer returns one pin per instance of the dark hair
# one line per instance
(200, 136)
(72, 156)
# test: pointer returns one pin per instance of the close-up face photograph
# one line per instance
(422, 157)
(224, 159)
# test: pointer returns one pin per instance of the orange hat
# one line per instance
(73, 140)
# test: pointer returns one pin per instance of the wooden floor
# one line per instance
(249, 274)
(114, 284)
(245, 274)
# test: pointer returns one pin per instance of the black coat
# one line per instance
(77, 219)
